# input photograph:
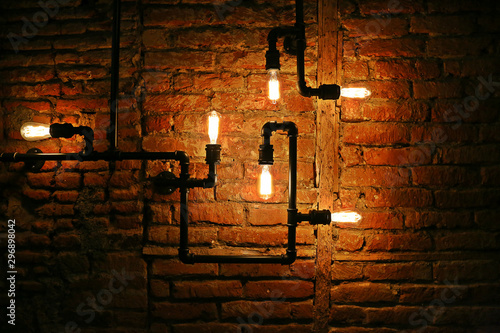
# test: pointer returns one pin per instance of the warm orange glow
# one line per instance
(213, 126)
(35, 131)
(355, 92)
(274, 85)
(346, 217)
(266, 183)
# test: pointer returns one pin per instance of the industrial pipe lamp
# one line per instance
(295, 44)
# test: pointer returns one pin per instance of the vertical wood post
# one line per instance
(327, 147)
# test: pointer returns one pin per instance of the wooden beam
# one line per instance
(327, 147)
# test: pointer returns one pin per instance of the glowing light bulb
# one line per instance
(355, 92)
(346, 217)
(35, 131)
(213, 126)
(266, 183)
(274, 85)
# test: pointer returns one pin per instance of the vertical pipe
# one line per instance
(292, 198)
(183, 244)
(299, 11)
(115, 76)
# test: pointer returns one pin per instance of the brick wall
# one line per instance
(97, 245)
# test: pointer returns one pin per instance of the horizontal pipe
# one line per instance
(95, 156)
(190, 258)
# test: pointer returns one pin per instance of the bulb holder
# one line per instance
(266, 154)
(273, 59)
(329, 91)
(62, 131)
(320, 217)
(212, 154)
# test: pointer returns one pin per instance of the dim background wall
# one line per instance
(419, 160)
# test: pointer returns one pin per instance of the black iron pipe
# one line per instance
(293, 217)
(115, 76)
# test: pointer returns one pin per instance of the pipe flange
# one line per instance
(34, 166)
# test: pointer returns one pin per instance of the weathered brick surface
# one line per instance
(419, 160)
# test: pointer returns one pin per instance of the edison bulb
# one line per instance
(355, 92)
(346, 217)
(35, 131)
(213, 126)
(266, 183)
(274, 85)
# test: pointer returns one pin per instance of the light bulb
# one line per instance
(213, 127)
(274, 85)
(266, 183)
(355, 92)
(35, 131)
(346, 216)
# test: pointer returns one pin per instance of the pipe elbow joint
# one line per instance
(182, 157)
(291, 128)
(186, 257)
(289, 257)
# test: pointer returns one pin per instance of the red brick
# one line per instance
(45, 179)
(278, 289)
(77, 105)
(361, 292)
(398, 242)
(177, 16)
(124, 179)
(448, 220)
(368, 7)
(406, 69)
(469, 240)
(266, 309)
(349, 241)
(170, 235)
(466, 270)
(238, 101)
(52, 209)
(176, 268)
(375, 176)
(398, 156)
(265, 215)
(444, 47)
(355, 70)
(98, 179)
(444, 133)
(401, 47)
(178, 60)
(444, 176)
(388, 89)
(241, 60)
(253, 236)
(68, 180)
(202, 328)
(300, 269)
(218, 82)
(375, 26)
(470, 198)
(66, 196)
(36, 194)
(207, 289)
(443, 24)
(176, 103)
(379, 220)
(374, 133)
(349, 314)
(437, 89)
(218, 213)
(160, 288)
(351, 156)
(342, 271)
(398, 271)
(67, 241)
(476, 154)
(184, 311)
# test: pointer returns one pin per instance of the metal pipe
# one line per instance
(115, 76)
